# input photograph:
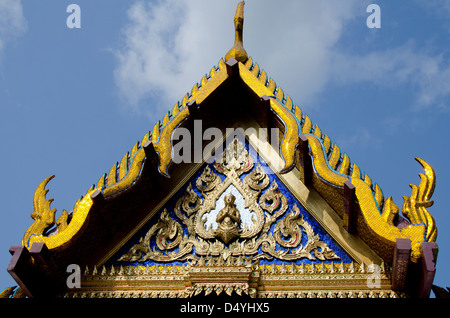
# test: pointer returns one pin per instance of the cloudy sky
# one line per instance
(73, 101)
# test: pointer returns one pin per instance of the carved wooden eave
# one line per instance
(347, 203)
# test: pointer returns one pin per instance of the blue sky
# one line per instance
(74, 101)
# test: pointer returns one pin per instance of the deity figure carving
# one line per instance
(229, 220)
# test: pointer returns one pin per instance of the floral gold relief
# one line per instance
(223, 232)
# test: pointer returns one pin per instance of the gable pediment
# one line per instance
(235, 226)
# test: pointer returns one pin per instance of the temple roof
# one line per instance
(238, 90)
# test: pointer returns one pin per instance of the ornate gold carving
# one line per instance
(257, 179)
(218, 288)
(78, 221)
(43, 216)
(380, 223)
(207, 181)
(62, 221)
(231, 236)
(240, 275)
(236, 158)
(415, 206)
(291, 226)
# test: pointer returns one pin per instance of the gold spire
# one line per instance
(238, 51)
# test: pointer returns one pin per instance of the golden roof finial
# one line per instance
(238, 51)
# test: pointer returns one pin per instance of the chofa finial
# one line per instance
(238, 51)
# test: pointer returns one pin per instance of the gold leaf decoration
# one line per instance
(43, 216)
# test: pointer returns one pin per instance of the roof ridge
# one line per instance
(337, 161)
(120, 169)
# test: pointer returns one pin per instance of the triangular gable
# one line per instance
(275, 226)
(342, 214)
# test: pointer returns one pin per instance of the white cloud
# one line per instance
(12, 21)
(170, 45)
(406, 64)
(363, 138)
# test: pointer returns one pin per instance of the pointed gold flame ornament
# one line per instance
(238, 51)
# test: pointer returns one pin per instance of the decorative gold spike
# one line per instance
(342, 268)
(362, 268)
(167, 115)
(43, 216)
(289, 104)
(86, 270)
(238, 51)
(332, 269)
(415, 206)
(318, 132)
(302, 269)
(249, 63)
(185, 100)
(322, 268)
(222, 64)
(271, 85)
(298, 113)
(255, 69)
(212, 72)
(94, 271)
(390, 210)
(326, 143)
(155, 132)
(273, 269)
(130, 270)
(280, 94)
(378, 195)
(112, 174)
(61, 223)
(367, 179)
(292, 269)
(101, 181)
(176, 109)
(204, 80)
(194, 90)
(263, 77)
(345, 164)
(306, 126)
(145, 139)
(356, 173)
(335, 155)
(351, 268)
(123, 166)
